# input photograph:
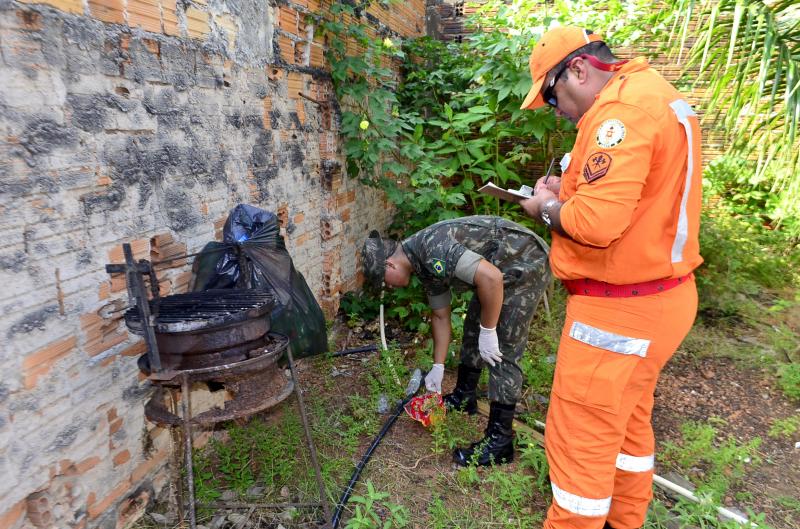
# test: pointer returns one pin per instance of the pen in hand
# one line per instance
(547, 174)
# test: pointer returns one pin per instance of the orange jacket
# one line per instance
(632, 190)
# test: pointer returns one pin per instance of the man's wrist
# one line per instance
(545, 213)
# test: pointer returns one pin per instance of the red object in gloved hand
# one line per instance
(427, 409)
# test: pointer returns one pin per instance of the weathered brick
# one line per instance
(139, 247)
(288, 20)
(68, 6)
(95, 509)
(51, 353)
(30, 20)
(169, 17)
(11, 516)
(121, 458)
(145, 14)
(287, 49)
(197, 23)
(112, 11)
(145, 467)
(137, 349)
(39, 363)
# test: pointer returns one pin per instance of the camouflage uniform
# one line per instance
(445, 256)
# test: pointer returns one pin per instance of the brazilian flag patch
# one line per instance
(438, 267)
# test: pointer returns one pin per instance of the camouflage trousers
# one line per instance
(526, 274)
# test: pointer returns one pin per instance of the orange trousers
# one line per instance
(599, 438)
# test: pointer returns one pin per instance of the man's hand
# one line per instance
(433, 380)
(489, 347)
(553, 184)
(533, 205)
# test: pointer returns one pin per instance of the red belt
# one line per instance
(591, 287)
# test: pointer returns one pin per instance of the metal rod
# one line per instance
(186, 407)
(301, 94)
(323, 497)
(137, 290)
(176, 460)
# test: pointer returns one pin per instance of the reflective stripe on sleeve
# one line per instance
(609, 341)
(580, 505)
(631, 463)
(683, 112)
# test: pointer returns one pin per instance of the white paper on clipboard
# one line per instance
(512, 195)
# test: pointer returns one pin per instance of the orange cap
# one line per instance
(548, 52)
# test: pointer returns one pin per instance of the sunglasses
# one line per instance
(548, 95)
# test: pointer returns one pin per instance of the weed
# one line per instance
(533, 457)
(723, 462)
(790, 502)
(785, 427)
(457, 429)
(789, 380)
(372, 511)
(508, 492)
(440, 517)
(206, 486)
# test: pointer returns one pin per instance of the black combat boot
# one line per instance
(464, 396)
(497, 445)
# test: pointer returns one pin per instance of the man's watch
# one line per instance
(545, 212)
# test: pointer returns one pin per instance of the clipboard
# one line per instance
(511, 195)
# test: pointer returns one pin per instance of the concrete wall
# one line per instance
(145, 121)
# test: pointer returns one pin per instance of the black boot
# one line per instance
(497, 445)
(464, 396)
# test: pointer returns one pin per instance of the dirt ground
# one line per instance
(696, 389)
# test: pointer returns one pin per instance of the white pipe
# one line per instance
(383, 331)
(674, 487)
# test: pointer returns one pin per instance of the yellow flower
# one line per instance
(387, 43)
(364, 125)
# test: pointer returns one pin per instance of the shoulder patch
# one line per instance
(596, 166)
(438, 267)
(610, 133)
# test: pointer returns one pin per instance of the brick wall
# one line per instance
(145, 121)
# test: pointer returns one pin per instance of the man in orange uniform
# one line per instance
(625, 219)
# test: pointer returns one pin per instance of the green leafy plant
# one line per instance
(789, 380)
(533, 457)
(372, 511)
(457, 429)
(723, 461)
(510, 493)
(746, 56)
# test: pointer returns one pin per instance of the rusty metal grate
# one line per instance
(202, 310)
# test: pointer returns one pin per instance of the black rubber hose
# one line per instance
(357, 473)
(362, 349)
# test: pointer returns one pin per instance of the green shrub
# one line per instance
(722, 462)
(789, 380)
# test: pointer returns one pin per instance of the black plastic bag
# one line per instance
(254, 255)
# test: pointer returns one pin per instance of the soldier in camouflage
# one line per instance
(507, 266)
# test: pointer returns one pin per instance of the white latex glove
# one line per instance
(433, 380)
(488, 346)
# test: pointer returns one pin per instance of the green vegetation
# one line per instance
(785, 427)
(747, 55)
(719, 463)
(367, 516)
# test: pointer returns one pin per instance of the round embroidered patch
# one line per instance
(610, 133)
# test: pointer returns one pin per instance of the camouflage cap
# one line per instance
(373, 255)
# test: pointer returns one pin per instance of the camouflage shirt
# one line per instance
(445, 255)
